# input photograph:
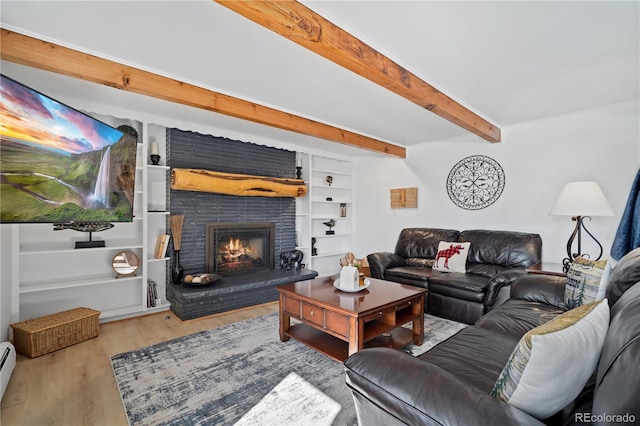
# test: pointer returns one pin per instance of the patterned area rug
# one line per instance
(215, 377)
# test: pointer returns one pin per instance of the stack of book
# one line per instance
(152, 294)
(162, 243)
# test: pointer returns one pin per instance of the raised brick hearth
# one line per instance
(231, 292)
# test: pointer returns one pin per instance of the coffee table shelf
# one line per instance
(338, 349)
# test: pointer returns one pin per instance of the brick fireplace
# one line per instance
(201, 209)
(242, 285)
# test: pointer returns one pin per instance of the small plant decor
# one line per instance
(350, 260)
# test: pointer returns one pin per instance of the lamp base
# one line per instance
(577, 232)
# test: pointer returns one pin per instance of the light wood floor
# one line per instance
(75, 385)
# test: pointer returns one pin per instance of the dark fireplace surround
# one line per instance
(203, 212)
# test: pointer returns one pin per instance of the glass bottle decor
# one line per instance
(177, 271)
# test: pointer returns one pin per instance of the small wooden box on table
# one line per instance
(339, 324)
(46, 334)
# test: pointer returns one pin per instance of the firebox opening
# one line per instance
(233, 248)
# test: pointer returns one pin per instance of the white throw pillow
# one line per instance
(552, 362)
(584, 279)
(451, 257)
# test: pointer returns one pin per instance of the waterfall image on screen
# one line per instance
(59, 165)
(101, 191)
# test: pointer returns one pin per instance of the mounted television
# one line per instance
(59, 165)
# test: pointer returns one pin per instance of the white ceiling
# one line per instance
(510, 62)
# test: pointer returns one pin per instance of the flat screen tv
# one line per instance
(59, 165)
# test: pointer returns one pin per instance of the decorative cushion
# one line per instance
(451, 257)
(583, 281)
(553, 362)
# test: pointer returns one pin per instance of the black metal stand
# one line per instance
(567, 261)
(90, 243)
(299, 172)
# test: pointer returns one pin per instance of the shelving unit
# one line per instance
(324, 202)
(52, 276)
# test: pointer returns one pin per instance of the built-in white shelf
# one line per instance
(157, 167)
(84, 282)
(313, 209)
(123, 312)
(52, 275)
(68, 247)
(332, 172)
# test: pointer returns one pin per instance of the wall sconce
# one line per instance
(580, 200)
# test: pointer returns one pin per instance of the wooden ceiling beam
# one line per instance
(25, 50)
(301, 25)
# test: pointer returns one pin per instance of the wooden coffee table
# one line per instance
(339, 324)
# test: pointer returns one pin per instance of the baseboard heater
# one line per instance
(7, 364)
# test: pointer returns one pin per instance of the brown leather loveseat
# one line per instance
(494, 260)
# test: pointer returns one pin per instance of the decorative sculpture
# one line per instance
(291, 259)
(330, 224)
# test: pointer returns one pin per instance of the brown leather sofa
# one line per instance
(495, 259)
(451, 383)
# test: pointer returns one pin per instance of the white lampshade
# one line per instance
(581, 199)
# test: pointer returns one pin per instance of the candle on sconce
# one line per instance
(298, 168)
(154, 148)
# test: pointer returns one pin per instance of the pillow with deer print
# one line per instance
(451, 257)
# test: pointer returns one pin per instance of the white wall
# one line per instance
(6, 269)
(538, 159)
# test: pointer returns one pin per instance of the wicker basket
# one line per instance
(46, 334)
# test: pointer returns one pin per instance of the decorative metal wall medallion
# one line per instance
(475, 182)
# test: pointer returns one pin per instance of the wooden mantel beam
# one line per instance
(301, 25)
(236, 184)
(25, 50)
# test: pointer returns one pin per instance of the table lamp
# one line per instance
(580, 200)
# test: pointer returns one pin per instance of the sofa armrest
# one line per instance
(547, 289)
(380, 262)
(417, 392)
(497, 282)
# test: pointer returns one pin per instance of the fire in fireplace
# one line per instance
(239, 247)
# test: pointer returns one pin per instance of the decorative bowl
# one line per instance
(200, 279)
